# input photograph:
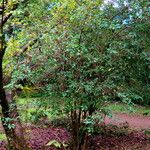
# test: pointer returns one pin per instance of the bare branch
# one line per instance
(25, 47)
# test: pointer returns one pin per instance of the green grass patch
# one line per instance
(124, 108)
(118, 107)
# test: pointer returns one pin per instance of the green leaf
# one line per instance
(54, 143)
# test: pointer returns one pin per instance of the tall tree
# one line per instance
(10, 118)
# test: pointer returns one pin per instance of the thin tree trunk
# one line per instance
(10, 119)
(79, 137)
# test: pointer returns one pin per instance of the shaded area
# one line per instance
(110, 137)
(132, 141)
(38, 137)
(122, 132)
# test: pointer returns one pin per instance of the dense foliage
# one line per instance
(80, 55)
(113, 42)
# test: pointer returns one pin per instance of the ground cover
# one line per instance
(126, 130)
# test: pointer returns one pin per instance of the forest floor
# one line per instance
(122, 132)
(135, 121)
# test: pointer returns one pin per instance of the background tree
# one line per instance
(10, 118)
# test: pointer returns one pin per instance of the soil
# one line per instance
(136, 122)
(111, 138)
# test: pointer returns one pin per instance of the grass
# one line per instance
(124, 108)
(28, 108)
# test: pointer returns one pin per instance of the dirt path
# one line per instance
(134, 121)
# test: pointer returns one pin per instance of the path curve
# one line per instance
(134, 121)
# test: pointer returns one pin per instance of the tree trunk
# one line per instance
(10, 118)
(79, 137)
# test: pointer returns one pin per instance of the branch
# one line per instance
(14, 7)
(25, 47)
(1, 10)
(22, 51)
(2, 7)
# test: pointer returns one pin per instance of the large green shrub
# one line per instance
(88, 54)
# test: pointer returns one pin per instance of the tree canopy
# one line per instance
(80, 54)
